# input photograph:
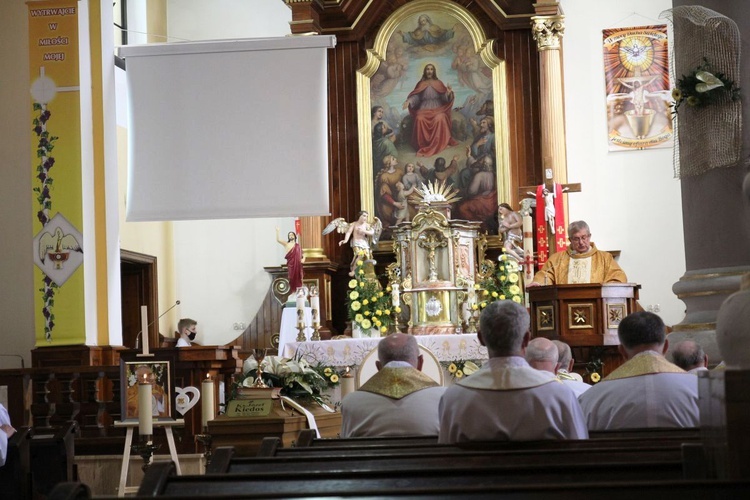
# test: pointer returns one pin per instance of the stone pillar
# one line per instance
(311, 239)
(548, 31)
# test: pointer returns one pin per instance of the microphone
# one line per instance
(14, 356)
(138, 335)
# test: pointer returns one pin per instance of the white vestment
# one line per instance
(508, 400)
(367, 413)
(577, 386)
(657, 399)
(4, 419)
(182, 343)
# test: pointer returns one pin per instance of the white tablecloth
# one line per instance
(348, 352)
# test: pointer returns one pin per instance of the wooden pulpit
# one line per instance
(585, 314)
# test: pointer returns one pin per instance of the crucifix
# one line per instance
(430, 241)
(551, 211)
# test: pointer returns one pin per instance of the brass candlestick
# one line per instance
(301, 326)
(206, 440)
(145, 449)
(472, 328)
(316, 332)
(396, 328)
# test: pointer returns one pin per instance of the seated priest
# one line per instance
(565, 372)
(690, 356)
(399, 400)
(647, 390)
(582, 262)
(508, 400)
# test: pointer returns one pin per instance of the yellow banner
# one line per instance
(56, 172)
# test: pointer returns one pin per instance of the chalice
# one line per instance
(259, 355)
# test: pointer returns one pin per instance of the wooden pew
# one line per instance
(53, 457)
(557, 481)
(15, 475)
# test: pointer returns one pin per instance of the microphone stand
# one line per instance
(138, 335)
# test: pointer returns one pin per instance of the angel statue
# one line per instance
(363, 235)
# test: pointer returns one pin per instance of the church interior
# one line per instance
(543, 107)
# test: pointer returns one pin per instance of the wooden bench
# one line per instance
(15, 475)
(521, 482)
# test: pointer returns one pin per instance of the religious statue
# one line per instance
(362, 234)
(294, 259)
(510, 224)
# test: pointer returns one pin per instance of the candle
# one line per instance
(528, 248)
(471, 295)
(347, 383)
(395, 297)
(145, 407)
(315, 304)
(144, 329)
(207, 401)
(300, 300)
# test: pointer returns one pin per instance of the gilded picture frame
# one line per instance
(432, 107)
(159, 372)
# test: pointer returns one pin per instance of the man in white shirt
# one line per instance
(507, 399)
(565, 372)
(186, 330)
(399, 400)
(647, 390)
(6, 431)
(689, 356)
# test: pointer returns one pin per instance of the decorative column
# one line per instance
(548, 31)
(311, 239)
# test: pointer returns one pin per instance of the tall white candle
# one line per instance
(144, 329)
(528, 248)
(145, 408)
(300, 300)
(395, 297)
(347, 383)
(315, 304)
(207, 401)
(471, 294)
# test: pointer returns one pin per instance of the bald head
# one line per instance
(689, 355)
(541, 354)
(399, 347)
(564, 355)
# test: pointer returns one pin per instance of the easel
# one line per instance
(122, 489)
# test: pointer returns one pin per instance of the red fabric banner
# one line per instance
(542, 240)
(543, 235)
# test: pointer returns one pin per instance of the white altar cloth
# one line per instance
(351, 352)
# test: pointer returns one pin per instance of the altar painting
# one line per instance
(429, 113)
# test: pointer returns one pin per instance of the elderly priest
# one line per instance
(399, 400)
(582, 262)
(647, 390)
(507, 399)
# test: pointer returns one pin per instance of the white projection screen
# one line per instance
(228, 129)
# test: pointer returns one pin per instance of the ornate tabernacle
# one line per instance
(435, 262)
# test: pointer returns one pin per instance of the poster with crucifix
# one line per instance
(636, 73)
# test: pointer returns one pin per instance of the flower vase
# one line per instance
(359, 333)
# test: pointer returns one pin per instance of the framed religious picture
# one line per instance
(159, 373)
(432, 110)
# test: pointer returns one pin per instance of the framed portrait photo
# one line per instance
(432, 110)
(158, 373)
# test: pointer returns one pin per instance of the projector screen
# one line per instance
(228, 129)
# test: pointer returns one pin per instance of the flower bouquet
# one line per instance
(703, 87)
(459, 368)
(504, 284)
(367, 305)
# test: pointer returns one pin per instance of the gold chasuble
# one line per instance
(568, 267)
(645, 363)
(395, 383)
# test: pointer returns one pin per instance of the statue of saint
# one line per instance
(361, 234)
(294, 259)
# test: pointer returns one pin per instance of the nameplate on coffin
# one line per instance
(249, 407)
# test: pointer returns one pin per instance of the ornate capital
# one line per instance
(547, 31)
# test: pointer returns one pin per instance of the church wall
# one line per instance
(16, 306)
(630, 199)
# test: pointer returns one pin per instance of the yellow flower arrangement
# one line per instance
(595, 377)
(355, 306)
(354, 295)
(369, 306)
(366, 324)
(460, 368)
(503, 285)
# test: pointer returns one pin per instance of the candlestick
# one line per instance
(144, 329)
(208, 404)
(145, 408)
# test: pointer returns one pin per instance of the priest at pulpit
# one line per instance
(581, 262)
